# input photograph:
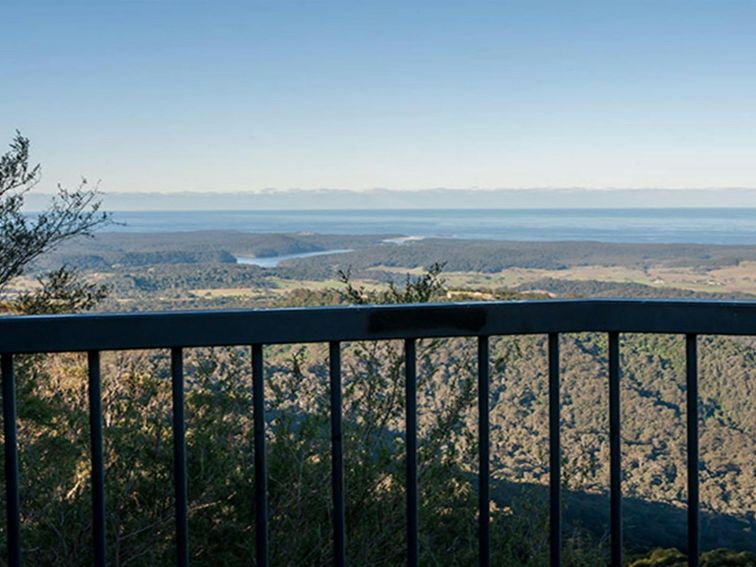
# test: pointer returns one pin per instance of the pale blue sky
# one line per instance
(211, 95)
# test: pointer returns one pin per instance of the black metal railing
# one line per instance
(176, 331)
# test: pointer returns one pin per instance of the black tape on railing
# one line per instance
(410, 373)
(179, 458)
(691, 358)
(555, 454)
(97, 456)
(484, 457)
(12, 501)
(337, 457)
(615, 451)
(261, 465)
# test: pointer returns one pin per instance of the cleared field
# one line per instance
(230, 292)
(734, 279)
(741, 278)
(279, 286)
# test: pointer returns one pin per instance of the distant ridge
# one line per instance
(441, 198)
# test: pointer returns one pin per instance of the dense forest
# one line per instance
(391, 250)
(220, 443)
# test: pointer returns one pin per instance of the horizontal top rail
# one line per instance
(121, 331)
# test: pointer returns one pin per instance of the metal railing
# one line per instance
(334, 325)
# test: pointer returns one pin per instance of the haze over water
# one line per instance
(705, 226)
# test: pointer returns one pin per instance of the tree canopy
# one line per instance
(25, 236)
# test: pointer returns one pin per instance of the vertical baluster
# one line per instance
(98, 460)
(615, 451)
(484, 530)
(410, 369)
(555, 454)
(12, 504)
(261, 466)
(691, 358)
(179, 458)
(337, 456)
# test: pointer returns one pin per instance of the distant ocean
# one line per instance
(705, 226)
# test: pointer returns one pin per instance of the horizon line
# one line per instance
(274, 190)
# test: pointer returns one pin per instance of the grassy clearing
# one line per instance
(733, 279)
(280, 286)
